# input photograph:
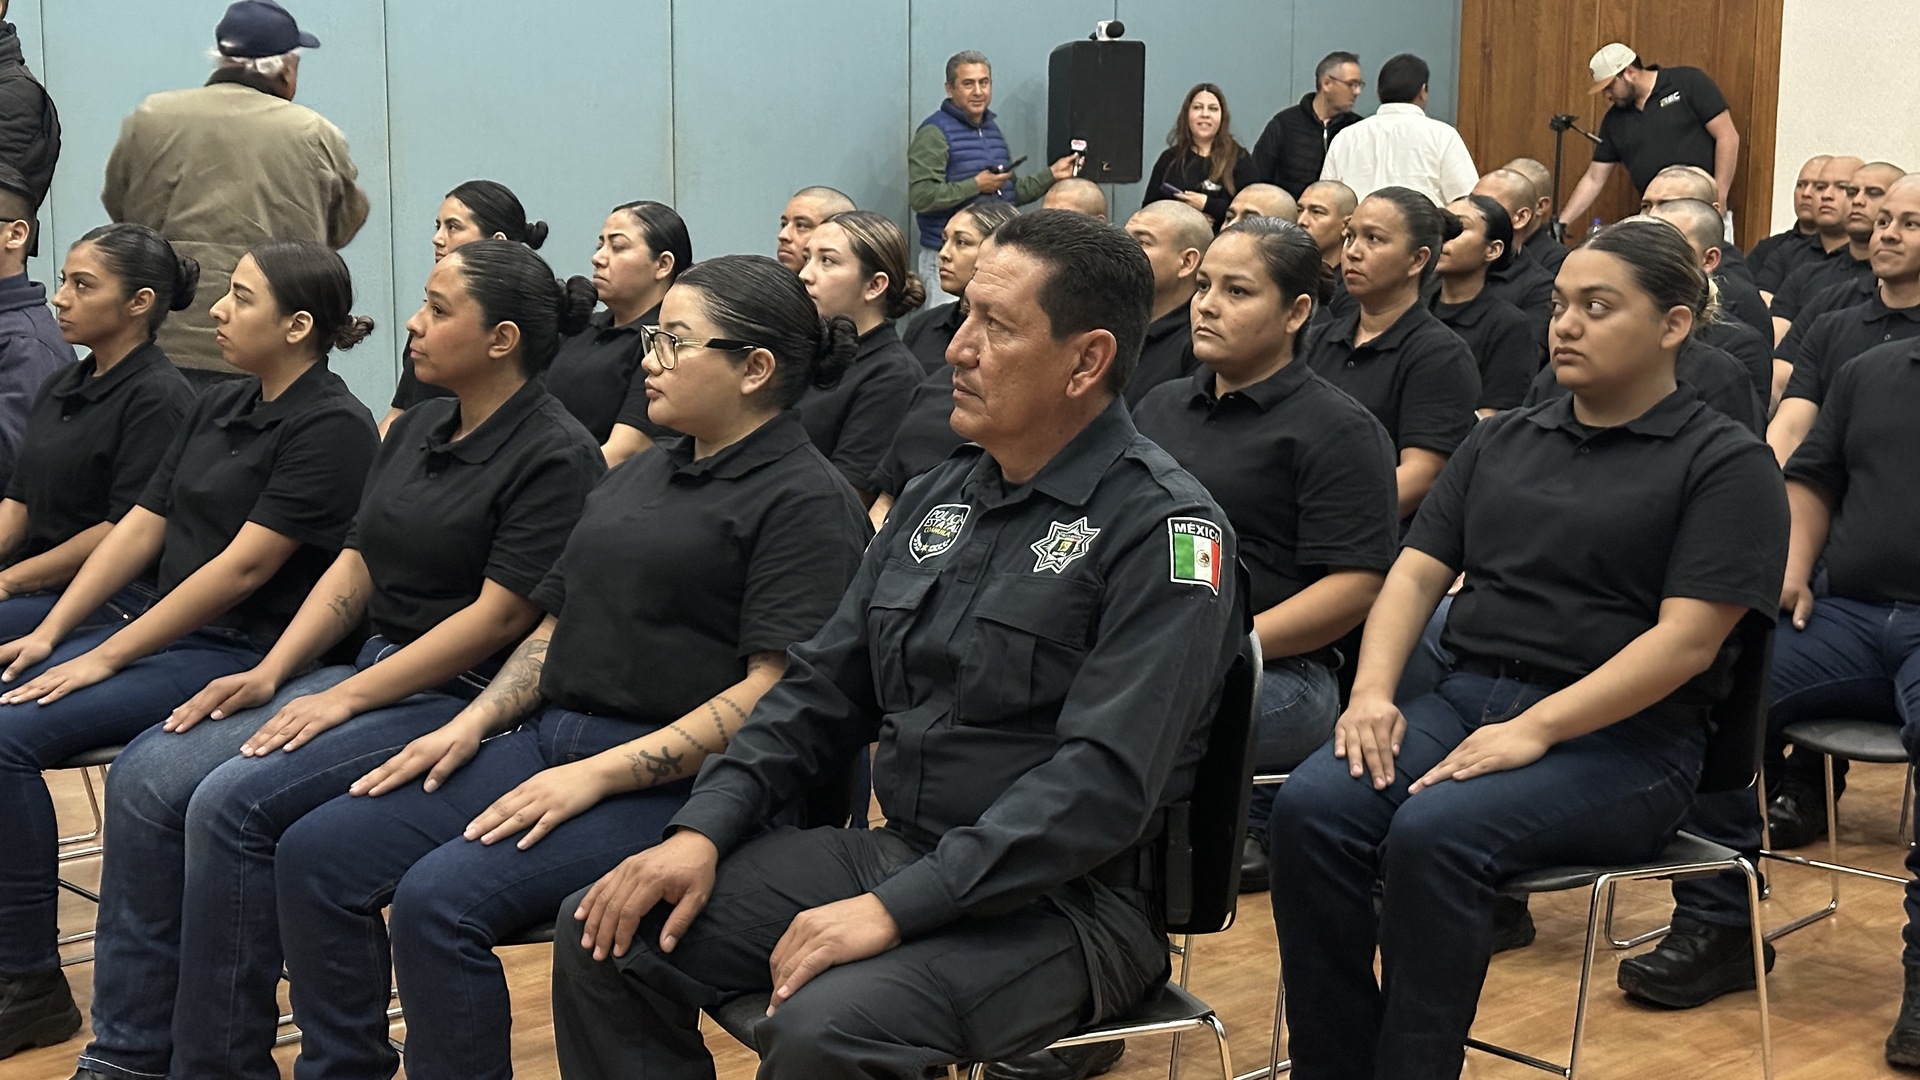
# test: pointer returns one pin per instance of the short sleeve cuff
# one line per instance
(917, 900)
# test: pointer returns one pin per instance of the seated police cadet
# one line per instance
(1388, 351)
(643, 247)
(1007, 643)
(1524, 283)
(1777, 255)
(1073, 193)
(1175, 237)
(857, 269)
(1496, 331)
(804, 212)
(1891, 313)
(467, 506)
(1261, 200)
(1740, 300)
(242, 513)
(1572, 726)
(1844, 290)
(1847, 239)
(476, 210)
(1705, 231)
(98, 428)
(710, 555)
(1535, 238)
(1304, 472)
(926, 333)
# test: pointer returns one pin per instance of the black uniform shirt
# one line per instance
(295, 465)
(91, 444)
(927, 334)
(1570, 536)
(679, 570)
(1165, 355)
(1546, 251)
(1417, 378)
(1781, 254)
(1670, 130)
(597, 375)
(1851, 291)
(1304, 472)
(1805, 283)
(1748, 346)
(1741, 301)
(1714, 376)
(1528, 286)
(854, 422)
(1038, 663)
(1733, 263)
(925, 438)
(1502, 344)
(1839, 336)
(1862, 451)
(440, 517)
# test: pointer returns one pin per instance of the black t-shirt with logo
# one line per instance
(1670, 130)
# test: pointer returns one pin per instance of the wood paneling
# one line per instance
(1521, 61)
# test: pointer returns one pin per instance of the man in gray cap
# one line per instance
(1660, 117)
(222, 167)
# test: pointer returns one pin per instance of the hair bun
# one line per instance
(908, 299)
(839, 339)
(352, 332)
(536, 234)
(1450, 227)
(186, 279)
(575, 301)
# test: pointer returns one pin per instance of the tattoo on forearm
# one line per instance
(693, 742)
(347, 606)
(516, 688)
(651, 768)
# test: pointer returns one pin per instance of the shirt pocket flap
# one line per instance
(1057, 609)
(902, 587)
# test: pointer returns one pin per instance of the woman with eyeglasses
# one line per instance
(693, 568)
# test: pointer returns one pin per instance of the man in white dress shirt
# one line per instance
(1400, 144)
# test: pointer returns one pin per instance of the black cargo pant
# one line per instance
(978, 989)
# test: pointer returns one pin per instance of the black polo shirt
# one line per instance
(597, 375)
(1528, 286)
(1733, 263)
(927, 334)
(1670, 130)
(1417, 378)
(1570, 536)
(440, 517)
(1740, 300)
(1502, 345)
(1805, 283)
(1165, 355)
(1304, 472)
(91, 444)
(854, 423)
(1715, 377)
(679, 570)
(1839, 336)
(1036, 661)
(1861, 451)
(925, 437)
(1852, 291)
(1545, 250)
(295, 465)
(1748, 346)
(1780, 254)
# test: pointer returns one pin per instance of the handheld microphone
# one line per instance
(1107, 30)
(1079, 148)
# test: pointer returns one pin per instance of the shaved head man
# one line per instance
(805, 211)
(1778, 255)
(1830, 200)
(1511, 189)
(1325, 207)
(1537, 241)
(1261, 200)
(1175, 238)
(1080, 195)
(1523, 282)
(1680, 182)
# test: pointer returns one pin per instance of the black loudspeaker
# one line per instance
(1097, 91)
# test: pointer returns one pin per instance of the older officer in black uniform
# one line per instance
(1034, 641)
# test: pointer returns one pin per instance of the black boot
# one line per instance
(1512, 923)
(1070, 1063)
(35, 1010)
(1797, 816)
(1903, 1042)
(1253, 864)
(1695, 963)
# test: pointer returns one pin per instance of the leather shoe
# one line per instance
(1695, 963)
(1067, 1063)
(36, 1010)
(1903, 1042)
(1253, 865)
(1796, 817)
(1512, 923)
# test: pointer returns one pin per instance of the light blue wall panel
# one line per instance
(570, 105)
(1378, 29)
(771, 97)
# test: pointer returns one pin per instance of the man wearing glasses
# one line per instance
(1294, 145)
(1401, 145)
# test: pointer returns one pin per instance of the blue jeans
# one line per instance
(35, 737)
(1615, 795)
(452, 901)
(188, 956)
(21, 615)
(1854, 660)
(1299, 703)
(1429, 662)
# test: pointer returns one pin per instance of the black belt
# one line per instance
(1514, 670)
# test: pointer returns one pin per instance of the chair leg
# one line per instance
(1185, 951)
(1766, 830)
(1760, 963)
(978, 1071)
(92, 835)
(1595, 927)
(1274, 1065)
(1832, 866)
(1220, 1039)
(1906, 809)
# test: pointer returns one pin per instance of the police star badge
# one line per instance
(1063, 543)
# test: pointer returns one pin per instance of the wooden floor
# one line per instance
(1835, 990)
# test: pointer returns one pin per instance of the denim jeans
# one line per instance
(35, 737)
(1614, 795)
(1299, 703)
(21, 615)
(452, 901)
(187, 961)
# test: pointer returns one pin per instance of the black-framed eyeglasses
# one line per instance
(666, 346)
(1355, 85)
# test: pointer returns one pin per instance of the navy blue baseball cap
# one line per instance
(254, 28)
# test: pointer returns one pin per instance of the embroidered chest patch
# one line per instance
(939, 530)
(1062, 545)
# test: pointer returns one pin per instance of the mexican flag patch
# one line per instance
(1193, 546)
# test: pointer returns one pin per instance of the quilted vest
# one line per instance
(969, 149)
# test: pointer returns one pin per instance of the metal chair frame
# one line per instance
(1831, 864)
(86, 844)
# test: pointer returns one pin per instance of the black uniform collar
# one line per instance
(1180, 318)
(1389, 339)
(767, 443)
(1663, 421)
(1072, 474)
(1467, 314)
(79, 382)
(254, 412)
(601, 322)
(1263, 395)
(487, 439)
(1878, 310)
(874, 340)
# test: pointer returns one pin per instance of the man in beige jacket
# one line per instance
(222, 167)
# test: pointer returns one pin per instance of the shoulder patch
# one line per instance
(1193, 552)
(938, 531)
